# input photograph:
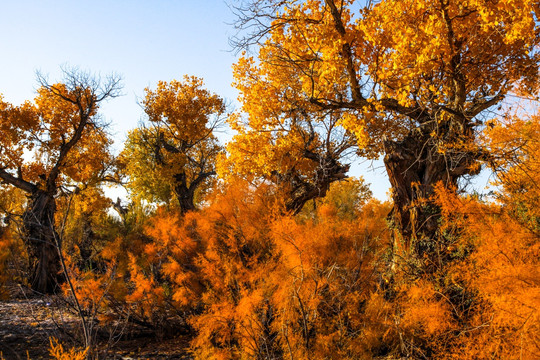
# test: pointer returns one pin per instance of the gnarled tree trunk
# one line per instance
(415, 165)
(184, 194)
(413, 170)
(300, 189)
(42, 242)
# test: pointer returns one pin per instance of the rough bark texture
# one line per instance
(42, 242)
(412, 171)
(301, 189)
(185, 194)
(415, 165)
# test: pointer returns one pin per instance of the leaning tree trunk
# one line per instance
(42, 242)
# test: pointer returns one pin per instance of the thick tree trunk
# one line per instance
(413, 170)
(184, 194)
(186, 200)
(415, 165)
(42, 242)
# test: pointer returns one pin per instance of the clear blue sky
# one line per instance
(143, 41)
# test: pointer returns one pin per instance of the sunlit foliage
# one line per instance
(284, 256)
(174, 155)
(57, 352)
(411, 80)
(502, 271)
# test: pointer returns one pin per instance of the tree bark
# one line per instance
(415, 165)
(301, 189)
(184, 194)
(42, 242)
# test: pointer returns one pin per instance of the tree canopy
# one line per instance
(175, 153)
(412, 80)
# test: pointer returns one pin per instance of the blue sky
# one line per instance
(143, 41)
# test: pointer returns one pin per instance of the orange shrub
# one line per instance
(284, 287)
(503, 270)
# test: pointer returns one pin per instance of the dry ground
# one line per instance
(27, 323)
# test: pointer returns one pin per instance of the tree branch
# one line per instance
(17, 182)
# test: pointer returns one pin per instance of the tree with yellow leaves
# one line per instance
(300, 150)
(175, 154)
(347, 197)
(63, 134)
(412, 80)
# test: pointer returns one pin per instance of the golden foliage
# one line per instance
(515, 150)
(5, 254)
(57, 352)
(175, 154)
(43, 128)
(411, 80)
(503, 271)
(404, 53)
(296, 291)
(13, 256)
(344, 198)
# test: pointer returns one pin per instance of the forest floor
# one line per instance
(28, 323)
